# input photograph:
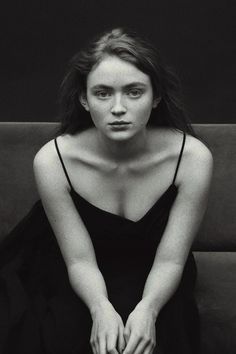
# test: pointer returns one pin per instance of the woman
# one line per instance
(124, 187)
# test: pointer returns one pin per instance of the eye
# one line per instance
(102, 94)
(135, 93)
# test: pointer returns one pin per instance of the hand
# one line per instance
(140, 331)
(107, 330)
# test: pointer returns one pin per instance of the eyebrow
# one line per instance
(133, 84)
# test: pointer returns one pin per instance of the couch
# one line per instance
(215, 244)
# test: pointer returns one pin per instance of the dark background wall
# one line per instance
(39, 37)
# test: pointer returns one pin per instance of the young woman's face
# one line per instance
(119, 98)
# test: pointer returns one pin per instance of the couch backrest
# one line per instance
(20, 141)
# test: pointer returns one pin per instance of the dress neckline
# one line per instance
(171, 187)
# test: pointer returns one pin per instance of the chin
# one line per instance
(120, 135)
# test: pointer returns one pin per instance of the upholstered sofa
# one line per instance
(215, 244)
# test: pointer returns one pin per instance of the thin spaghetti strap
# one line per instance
(62, 163)
(179, 159)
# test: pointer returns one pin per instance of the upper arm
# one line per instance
(194, 176)
(69, 229)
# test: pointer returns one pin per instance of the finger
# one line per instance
(111, 344)
(121, 340)
(102, 345)
(150, 350)
(96, 347)
(92, 341)
(96, 344)
(127, 333)
(132, 344)
(93, 348)
(141, 347)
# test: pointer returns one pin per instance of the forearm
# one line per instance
(160, 285)
(88, 283)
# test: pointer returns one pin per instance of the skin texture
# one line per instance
(119, 98)
(111, 168)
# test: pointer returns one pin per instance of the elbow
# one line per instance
(170, 266)
(80, 265)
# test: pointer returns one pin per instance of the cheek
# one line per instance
(144, 109)
(145, 103)
(97, 114)
(97, 107)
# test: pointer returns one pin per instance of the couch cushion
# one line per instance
(216, 294)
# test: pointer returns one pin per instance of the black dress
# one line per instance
(39, 311)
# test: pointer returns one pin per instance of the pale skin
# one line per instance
(124, 172)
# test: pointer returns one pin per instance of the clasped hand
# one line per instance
(109, 335)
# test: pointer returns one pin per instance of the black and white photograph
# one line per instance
(117, 177)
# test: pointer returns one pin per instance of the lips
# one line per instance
(119, 122)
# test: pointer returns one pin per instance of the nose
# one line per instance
(118, 108)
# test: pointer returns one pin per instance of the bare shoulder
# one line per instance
(197, 160)
(47, 165)
(196, 164)
(171, 141)
(47, 168)
(67, 144)
(46, 160)
(196, 150)
(46, 154)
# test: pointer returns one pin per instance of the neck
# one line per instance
(122, 151)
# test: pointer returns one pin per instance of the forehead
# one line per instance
(113, 71)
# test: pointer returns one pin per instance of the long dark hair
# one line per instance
(128, 46)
